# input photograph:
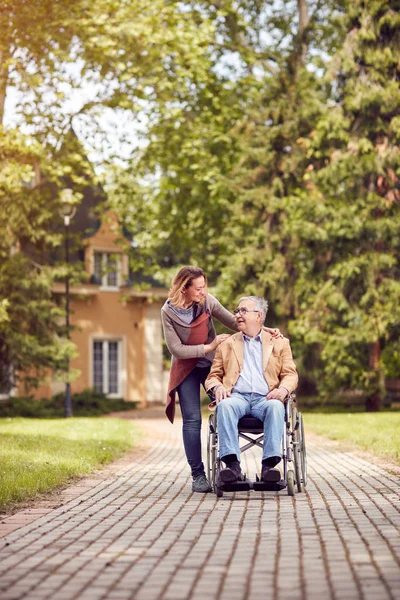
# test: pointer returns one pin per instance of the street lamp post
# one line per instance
(67, 212)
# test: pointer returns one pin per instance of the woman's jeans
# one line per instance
(230, 410)
(189, 399)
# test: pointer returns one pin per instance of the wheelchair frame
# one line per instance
(294, 456)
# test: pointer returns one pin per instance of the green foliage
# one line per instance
(3, 310)
(29, 334)
(391, 359)
(348, 297)
(88, 403)
(182, 195)
(174, 197)
(32, 334)
(300, 200)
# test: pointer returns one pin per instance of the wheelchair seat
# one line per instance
(249, 424)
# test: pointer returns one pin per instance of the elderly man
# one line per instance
(252, 373)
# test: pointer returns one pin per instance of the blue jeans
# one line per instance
(230, 410)
(189, 399)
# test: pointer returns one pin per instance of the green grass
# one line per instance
(39, 455)
(376, 432)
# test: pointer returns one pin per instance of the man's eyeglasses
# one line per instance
(243, 311)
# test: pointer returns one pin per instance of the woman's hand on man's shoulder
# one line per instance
(274, 331)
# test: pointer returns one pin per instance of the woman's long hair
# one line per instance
(183, 280)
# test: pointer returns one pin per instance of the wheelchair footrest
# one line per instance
(236, 486)
(259, 486)
(268, 486)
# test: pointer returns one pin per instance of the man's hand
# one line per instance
(278, 394)
(221, 393)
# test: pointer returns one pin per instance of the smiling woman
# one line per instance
(192, 340)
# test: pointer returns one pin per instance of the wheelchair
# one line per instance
(293, 452)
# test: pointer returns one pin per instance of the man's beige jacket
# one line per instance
(279, 368)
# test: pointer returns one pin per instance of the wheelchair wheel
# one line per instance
(215, 475)
(211, 447)
(290, 483)
(296, 448)
(219, 493)
(212, 459)
(303, 451)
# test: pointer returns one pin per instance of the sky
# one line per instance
(121, 131)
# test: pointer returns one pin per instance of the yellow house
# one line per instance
(116, 328)
(115, 324)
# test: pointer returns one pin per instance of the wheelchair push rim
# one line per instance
(303, 451)
(212, 455)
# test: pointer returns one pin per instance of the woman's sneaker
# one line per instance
(200, 484)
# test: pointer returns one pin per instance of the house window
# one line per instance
(6, 380)
(107, 366)
(107, 269)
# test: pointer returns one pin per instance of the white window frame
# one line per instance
(13, 388)
(121, 381)
(104, 257)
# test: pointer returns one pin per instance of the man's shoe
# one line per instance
(231, 473)
(200, 484)
(269, 474)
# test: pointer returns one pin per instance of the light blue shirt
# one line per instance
(251, 379)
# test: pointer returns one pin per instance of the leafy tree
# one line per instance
(307, 178)
(174, 196)
(30, 334)
(177, 196)
(348, 295)
(35, 47)
(274, 219)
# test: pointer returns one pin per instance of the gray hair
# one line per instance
(260, 304)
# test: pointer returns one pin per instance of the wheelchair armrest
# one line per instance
(210, 394)
(213, 403)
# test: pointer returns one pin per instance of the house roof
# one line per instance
(87, 220)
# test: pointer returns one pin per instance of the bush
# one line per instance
(88, 403)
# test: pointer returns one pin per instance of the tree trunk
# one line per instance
(303, 24)
(3, 82)
(6, 52)
(375, 399)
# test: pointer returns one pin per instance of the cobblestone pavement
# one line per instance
(138, 532)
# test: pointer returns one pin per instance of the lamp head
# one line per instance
(68, 205)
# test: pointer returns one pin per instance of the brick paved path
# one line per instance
(140, 533)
